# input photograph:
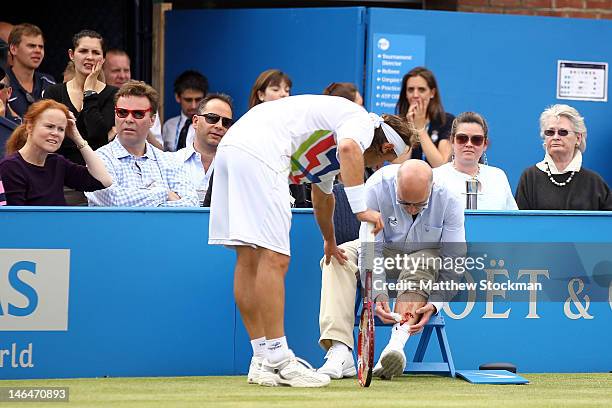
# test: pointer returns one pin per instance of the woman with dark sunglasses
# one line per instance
(469, 140)
(559, 182)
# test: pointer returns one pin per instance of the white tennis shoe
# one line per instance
(291, 372)
(254, 370)
(391, 364)
(339, 364)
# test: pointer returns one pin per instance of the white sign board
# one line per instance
(34, 288)
(582, 81)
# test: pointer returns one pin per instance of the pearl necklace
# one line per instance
(555, 182)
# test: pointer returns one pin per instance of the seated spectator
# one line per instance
(116, 67)
(27, 49)
(143, 175)
(269, 86)
(117, 71)
(347, 90)
(189, 89)
(407, 195)
(8, 119)
(68, 73)
(213, 119)
(559, 182)
(469, 141)
(420, 103)
(35, 175)
(87, 97)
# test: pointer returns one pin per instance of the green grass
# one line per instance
(545, 390)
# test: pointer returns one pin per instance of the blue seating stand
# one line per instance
(446, 367)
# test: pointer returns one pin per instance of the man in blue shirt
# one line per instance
(143, 175)
(27, 48)
(423, 224)
(212, 120)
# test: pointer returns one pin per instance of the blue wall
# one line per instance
(505, 67)
(502, 66)
(313, 46)
(149, 297)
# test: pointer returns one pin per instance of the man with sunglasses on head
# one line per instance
(422, 223)
(143, 176)
(212, 120)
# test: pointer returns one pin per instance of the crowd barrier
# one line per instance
(93, 292)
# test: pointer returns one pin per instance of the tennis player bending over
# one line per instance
(306, 139)
(423, 224)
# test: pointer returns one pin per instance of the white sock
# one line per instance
(399, 336)
(259, 347)
(277, 350)
(340, 346)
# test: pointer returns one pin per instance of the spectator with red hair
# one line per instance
(35, 174)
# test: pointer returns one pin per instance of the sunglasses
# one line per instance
(417, 206)
(213, 118)
(136, 113)
(414, 205)
(477, 140)
(560, 132)
(3, 86)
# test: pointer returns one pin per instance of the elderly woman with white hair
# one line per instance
(559, 182)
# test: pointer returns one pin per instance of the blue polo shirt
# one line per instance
(6, 128)
(20, 99)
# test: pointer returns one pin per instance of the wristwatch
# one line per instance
(89, 93)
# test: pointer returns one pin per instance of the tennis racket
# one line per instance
(365, 340)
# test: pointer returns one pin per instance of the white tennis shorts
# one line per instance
(250, 202)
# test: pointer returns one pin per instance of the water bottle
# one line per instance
(471, 194)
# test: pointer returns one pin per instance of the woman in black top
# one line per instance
(89, 99)
(420, 103)
(559, 181)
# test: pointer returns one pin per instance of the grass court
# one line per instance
(544, 390)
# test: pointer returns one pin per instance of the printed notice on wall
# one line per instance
(393, 55)
(582, 81)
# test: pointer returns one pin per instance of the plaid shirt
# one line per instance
(142, 181)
